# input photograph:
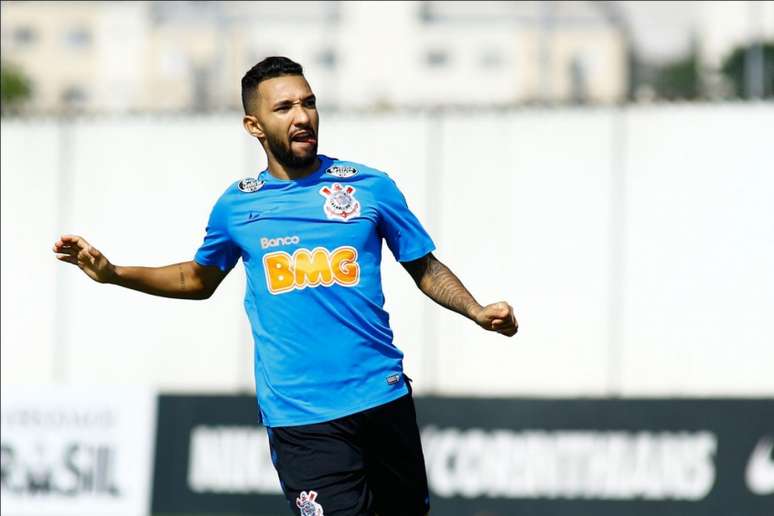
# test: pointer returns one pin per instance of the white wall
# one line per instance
(699, 280)
(637, 247)
(30, 203)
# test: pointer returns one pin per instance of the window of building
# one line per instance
(578, 71)
(437, 58)
(74, 96)
(24, 36)
(78, 38)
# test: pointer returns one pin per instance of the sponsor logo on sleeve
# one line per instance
(251, 184)
(340, 202)
(342, 172)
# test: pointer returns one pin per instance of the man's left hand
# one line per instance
(498, 317)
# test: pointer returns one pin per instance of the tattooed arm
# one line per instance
(442, 286)
(187, 280)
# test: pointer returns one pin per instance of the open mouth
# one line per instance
(304, 137)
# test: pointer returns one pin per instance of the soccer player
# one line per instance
(329, 380)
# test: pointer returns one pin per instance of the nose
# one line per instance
(300, 116)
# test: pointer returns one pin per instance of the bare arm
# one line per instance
(187, 280)
(442, 286)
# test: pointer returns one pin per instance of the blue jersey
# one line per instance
(312, 250)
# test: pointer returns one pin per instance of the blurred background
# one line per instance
(606, 167)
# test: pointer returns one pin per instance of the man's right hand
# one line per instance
(74, 249)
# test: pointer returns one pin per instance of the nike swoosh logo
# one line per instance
(760, 468)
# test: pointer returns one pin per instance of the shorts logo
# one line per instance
(306, 502)
(305, 268)
(340, 202)
(251, 184)
(342, 171)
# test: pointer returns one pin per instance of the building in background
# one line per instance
(169, 56)
(79, 55)
(190, 56)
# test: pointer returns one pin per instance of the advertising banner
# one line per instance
(677, 457)
(76, 451)
(503, 457)
(212, 457)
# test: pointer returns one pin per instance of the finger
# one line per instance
(502, 309)
(494, 313)
(508, 327)
(73, 240)
(508, 330)
(85, 257)
(61, 245)
(67, 250)
(505, 325)
(514, 331)
(67, 258)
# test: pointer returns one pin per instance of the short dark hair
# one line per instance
(269, 68)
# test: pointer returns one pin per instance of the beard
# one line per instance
(284, 154)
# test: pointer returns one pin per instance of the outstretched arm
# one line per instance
(442, 286)
(187, 280)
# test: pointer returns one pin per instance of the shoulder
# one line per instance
(365, 177)
(236, 189)
(228, 194)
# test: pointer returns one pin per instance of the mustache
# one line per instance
(302, 132)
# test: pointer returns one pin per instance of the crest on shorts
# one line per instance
(251, 184)
(339, 171)
(306, 502)
(340, 202)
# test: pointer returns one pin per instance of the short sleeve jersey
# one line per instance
(312, 252)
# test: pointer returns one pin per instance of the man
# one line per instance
(329, 380)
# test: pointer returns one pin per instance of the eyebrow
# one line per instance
(288, 101)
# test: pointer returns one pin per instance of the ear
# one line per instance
(253, 126)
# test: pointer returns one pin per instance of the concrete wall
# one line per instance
(636, 245)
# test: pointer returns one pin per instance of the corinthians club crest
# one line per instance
(340, 202)
(306, 503)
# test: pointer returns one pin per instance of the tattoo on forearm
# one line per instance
(445, 288)
(182, 277)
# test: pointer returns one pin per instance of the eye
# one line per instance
(283, 107)
(310, 103)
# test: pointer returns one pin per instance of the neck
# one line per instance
(281, 171)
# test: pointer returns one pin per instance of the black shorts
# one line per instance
(366, 463)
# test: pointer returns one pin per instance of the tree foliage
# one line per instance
(15, 88)
(734, 70)
(678, 80)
